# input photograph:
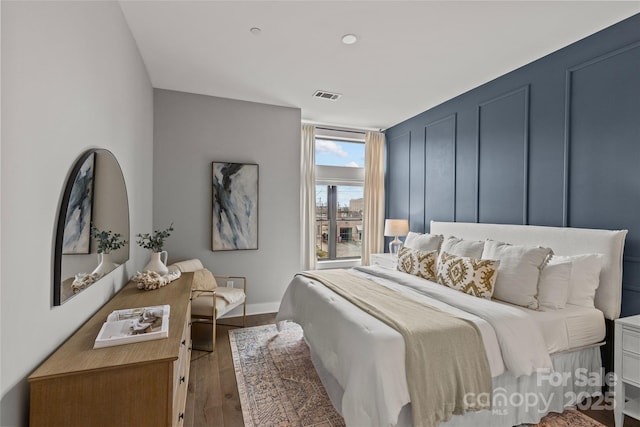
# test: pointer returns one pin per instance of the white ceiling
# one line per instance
(410, 55)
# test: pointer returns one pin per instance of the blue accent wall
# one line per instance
(556, 142)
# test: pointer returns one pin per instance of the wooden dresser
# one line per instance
(140, 384)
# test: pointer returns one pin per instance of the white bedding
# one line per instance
(566, 329)
(362, 359)
(370, 366)
(569, 328)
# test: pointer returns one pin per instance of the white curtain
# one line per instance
(308, 198)
(373, 221)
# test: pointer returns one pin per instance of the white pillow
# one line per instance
(423, 242)
(519, 271)
(460, 247)
(585, 278)
(553, 287)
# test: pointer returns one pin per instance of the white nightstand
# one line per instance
(385, 260)
(627, 367)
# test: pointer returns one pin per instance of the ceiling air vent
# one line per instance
(327, 95)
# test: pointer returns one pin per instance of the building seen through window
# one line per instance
(339, 199)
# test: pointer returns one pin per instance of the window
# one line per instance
(339, 213)
(339, 196)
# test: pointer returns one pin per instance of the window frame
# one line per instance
(339, 176)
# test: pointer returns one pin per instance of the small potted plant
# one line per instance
(155, 242)
(107, 241)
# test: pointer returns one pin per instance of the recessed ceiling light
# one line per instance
(255, 31)
(349, 39)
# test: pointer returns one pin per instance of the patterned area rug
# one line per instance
(279, 386)
(277, 383)
(569, 418)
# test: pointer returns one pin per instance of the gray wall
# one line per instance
(556, 142)
(72, 79)
(190, 132)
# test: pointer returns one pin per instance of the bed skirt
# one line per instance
(577, 374)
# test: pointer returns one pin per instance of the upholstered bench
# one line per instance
(209, 301)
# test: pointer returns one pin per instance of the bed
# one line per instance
(551, 360)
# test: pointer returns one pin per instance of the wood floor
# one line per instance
(212, 399)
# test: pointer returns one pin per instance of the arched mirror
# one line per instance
(92, 236)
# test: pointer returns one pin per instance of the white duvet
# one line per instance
(366, 356)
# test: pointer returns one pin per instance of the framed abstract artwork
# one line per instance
(234, 224)
(77, 224)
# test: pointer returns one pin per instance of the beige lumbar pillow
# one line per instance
(423, 242)
(461, 247)
(519, 271)
(203, 280)
(188, 265)
(473, 276)
(419, 263)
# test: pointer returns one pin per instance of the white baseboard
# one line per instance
(261, 308)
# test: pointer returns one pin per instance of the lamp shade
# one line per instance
(396, 227)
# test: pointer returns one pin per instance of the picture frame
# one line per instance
(234, 219)
(77, 224)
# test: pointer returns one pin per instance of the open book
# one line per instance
(134, 325)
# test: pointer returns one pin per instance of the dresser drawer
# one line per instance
(181, 397)
(631, 368)
(181, 373)
(631, 340)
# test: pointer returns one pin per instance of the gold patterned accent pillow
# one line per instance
(473, 276)
(419, 263)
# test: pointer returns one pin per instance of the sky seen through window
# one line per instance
(339, 153)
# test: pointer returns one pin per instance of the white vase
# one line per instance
(157, 264)
(105, 264)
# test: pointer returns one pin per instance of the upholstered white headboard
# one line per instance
(563, 241)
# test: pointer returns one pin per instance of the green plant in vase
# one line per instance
(107, 241)
(155, 242)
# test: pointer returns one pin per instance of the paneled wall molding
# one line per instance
(605, 56)
(524, 92)
(452, 118)
(391, 191)
(410, 135)
(443, 119)
(396, 137)
(552, 143)
(416, 180)
(631, 279)
(524, 88)
(567, 122)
